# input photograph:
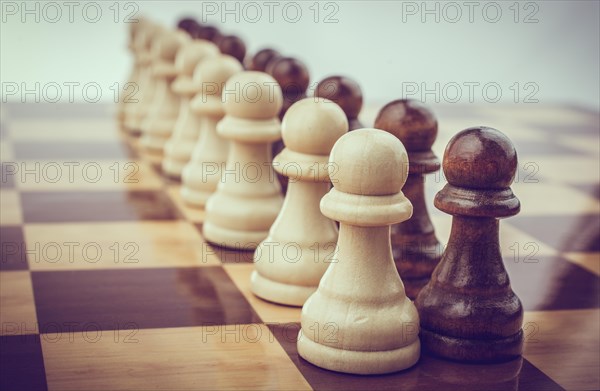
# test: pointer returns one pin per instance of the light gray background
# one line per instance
(382, 44)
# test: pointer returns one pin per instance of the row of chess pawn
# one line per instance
(214, 123)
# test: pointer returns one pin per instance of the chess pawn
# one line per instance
(164, 109)
(203, 172)
(359, 320)
(289, 264)
(137, 102)
(233, 46)
(468, 309)
(134, 47)
(292, 75)
(261, 59)
(208, 33)
(185, 133)
(346, 93)
(248, 198)
(190, 26)
(414, 244)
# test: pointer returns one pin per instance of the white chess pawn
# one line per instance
(203, 172)
(134, 47)
(289, 264)
(185, 133)
(248, 197)
(162, 113)
(139, 97)
(359, 320)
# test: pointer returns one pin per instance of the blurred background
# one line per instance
(512, 52)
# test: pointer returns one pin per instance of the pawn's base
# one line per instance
(153, 156)
(230, 238)
(278, 292)
(472, 350)
(358, 362)
(172, 168)
(194, 197)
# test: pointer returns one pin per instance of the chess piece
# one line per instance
(468, 309)
(414, 245)
(346, 93)
(190, 26)
(209, 33)
(203, 172)
(292, 76)
(359, 320)
(139, 100)
(178, 149)
(290, 263)
(162, 114)
(261, 59)
(134, 46)
(233, 46)
(248, 198)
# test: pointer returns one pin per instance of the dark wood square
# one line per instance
(566, 233)
(429, 373)
(22, 363)
(12, 244)
(552, 283)
(51, 207)
(138, 299)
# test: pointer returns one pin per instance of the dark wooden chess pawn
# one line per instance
(233, 46)
(292, 76)
(346, 93)
(190, 26)
(209, 33)
(468, 310)
(415, 247)
(261, 59)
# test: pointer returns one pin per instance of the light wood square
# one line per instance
(140, 244)
(17, 306)
(88, 175)
(201, 358)
(268, 312)
(564, 345)
(10, 208)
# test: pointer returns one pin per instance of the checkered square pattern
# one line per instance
(107, 283)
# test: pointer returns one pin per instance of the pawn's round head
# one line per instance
(193, 53)
(167, 45)
(261, 59)
(291, 74)
(209, 33)
(343, 91)
(480, 158)
(368, 162)
(252, 95)
(233, 46)
(411, 121)
(313, 125)
(212, 73)
(189, 25)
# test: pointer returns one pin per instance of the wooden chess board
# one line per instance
(106, 282)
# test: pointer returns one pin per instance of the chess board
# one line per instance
(106, 282)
